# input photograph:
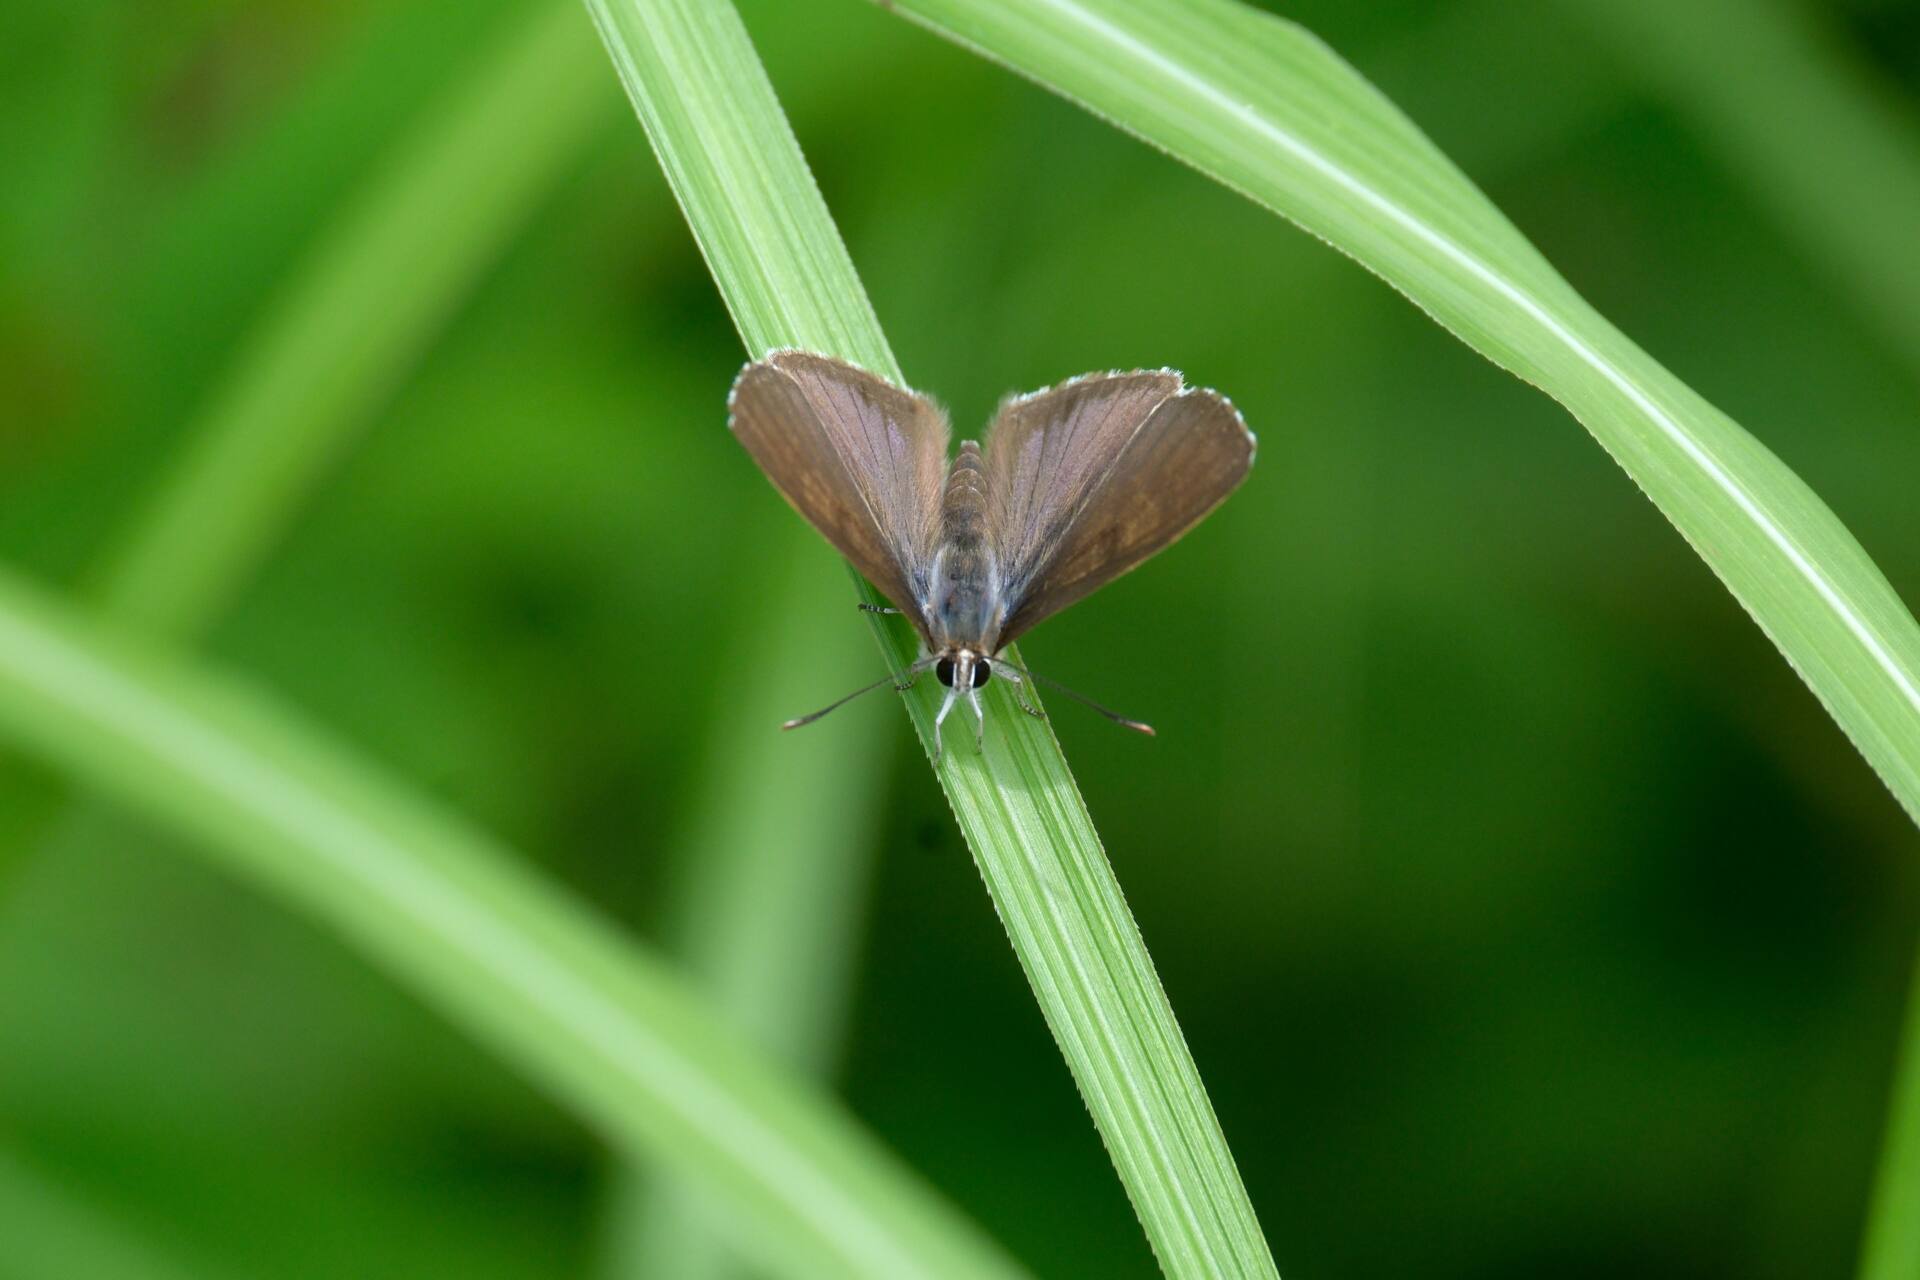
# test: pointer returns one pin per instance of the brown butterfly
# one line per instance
(1077, 484)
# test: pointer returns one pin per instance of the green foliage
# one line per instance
(1524, 914)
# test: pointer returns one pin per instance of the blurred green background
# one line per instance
(1525, 914)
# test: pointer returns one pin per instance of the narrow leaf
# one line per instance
(720, 136)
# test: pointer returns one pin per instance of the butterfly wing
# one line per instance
(1090, 478)
(861, 459)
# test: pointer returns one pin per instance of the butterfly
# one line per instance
(1076, 485)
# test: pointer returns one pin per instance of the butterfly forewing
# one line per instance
(861, 459)
(1087, 480)
(1047, 452)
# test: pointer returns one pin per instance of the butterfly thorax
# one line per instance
(963, 602)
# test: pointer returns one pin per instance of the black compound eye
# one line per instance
(982, 672)
(943, 672)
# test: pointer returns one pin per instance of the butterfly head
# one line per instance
(963, 672)
(963, 669)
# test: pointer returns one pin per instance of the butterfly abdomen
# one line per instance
(964, 591)
(963, 507)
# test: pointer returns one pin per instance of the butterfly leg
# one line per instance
(912, 673)
(1020, 691)
(946, 705)
(864, 607)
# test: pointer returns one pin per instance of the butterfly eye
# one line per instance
(943, 672)
(982, 672)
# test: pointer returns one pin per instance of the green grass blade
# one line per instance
(1264, 107)
(727, 150)
(735, 168)
(369, 299)
(603, 1028)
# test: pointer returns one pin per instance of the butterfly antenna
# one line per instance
(1138, 726)
(912, 673)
